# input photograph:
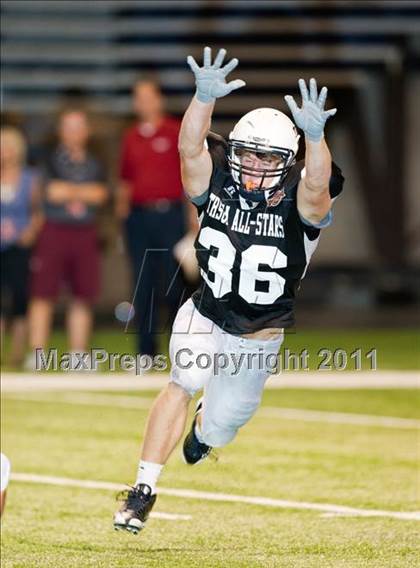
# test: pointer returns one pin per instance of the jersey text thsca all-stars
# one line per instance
(252, 257)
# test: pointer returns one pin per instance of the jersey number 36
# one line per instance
(220, 265)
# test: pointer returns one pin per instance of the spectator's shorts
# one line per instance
(14, 281)
(66, 254)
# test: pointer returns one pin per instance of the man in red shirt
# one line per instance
(151, 202)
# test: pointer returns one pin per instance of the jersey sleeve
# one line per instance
(199, 200)
(325, 222)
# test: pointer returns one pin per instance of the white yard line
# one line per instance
(299, 414)
(325, 508)
(304, 415)
(85, 484)
(14, 382)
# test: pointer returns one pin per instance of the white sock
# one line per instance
(148, 473)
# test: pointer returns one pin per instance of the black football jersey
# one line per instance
(252, 258)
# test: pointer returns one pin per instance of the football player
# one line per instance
(260, 221)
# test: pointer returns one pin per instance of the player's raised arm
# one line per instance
(313, 196)
(210, 80)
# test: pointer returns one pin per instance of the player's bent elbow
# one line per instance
(314, 209)
(317, 183)
(195, 175)
(314, 216)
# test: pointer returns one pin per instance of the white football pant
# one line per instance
(231, 369)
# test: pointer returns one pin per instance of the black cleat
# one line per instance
(193, 450)
(137, 504)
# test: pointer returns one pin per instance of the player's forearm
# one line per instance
(317, 166)
(194, 128)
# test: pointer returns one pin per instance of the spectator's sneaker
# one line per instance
(137, 504)
(193, 450)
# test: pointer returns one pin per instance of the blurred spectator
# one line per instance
(150, 199)
(74, 185)
(20, 224)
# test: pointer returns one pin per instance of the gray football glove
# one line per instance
(210, 79)
(311, 118)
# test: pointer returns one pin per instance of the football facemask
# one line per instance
(275, 162)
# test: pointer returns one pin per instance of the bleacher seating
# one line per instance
(363, 51)
(51, 47)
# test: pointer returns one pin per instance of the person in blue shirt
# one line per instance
(21, 221)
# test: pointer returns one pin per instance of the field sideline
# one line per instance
(325, 475)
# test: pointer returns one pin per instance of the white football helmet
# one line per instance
(263, 130)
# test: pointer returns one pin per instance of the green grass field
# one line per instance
(366, 467)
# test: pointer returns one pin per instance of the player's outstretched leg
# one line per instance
(167, 418)
(194, 450)
(164, 429)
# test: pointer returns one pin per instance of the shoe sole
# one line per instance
(128, 528)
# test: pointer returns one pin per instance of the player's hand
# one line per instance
(311, 118)
(210, 79)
